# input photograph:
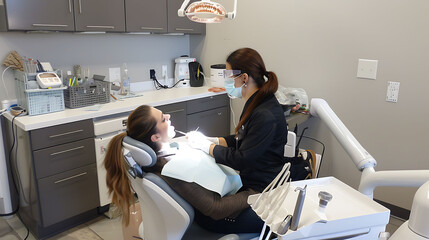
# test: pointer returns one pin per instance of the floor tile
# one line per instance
(4, 227)
(108, 229)
(9, 237)
(78, 234)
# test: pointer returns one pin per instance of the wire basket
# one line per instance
(37, 101)
(87, 94)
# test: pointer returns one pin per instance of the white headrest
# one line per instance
(142, 154)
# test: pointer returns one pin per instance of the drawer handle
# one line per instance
(151, 28)
(49, 25)
(67, 133)
(107, 27)
(185, 29)
(69, 178)
(175, 111)
(68, 150)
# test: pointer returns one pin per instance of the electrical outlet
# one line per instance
(114, 74)
(164, 71)
(392, 92)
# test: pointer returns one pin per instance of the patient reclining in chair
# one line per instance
(228, 214)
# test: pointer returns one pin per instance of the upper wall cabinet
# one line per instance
(55, 15)
(146, 15)
(100, 15)
(178, 24)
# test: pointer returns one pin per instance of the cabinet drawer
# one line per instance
(207, 103)
(177, 112)
(213, 123)
(68, 194)
(51, 136)
(53, 160)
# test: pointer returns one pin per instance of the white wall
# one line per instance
(98, 52)
(316, 45)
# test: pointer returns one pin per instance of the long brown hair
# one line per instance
(250, 61)
(141, 125)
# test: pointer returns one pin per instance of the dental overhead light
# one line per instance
(206, 11)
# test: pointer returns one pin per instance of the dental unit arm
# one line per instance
(416, 227)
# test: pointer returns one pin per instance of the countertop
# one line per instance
(152, 98)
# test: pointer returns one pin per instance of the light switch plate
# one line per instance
(367, 69)
(392, 92)
(114, 74)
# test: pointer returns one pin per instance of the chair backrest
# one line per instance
(165, 214)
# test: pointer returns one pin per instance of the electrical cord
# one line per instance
(322, 154)
(10, 164)
(4, 84)
(14, 141)
(158, 85)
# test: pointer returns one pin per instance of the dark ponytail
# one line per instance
(249, 61)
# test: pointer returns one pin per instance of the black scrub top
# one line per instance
(258, 152)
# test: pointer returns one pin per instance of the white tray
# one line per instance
(349, 213)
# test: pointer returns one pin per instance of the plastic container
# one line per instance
(87, 94)
(217, 75)
(37, 101)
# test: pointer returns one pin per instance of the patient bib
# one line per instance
(192, 165)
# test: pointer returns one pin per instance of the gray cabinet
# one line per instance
(178, 24)
(100, 15)
(55, 15)
(57, 170)
(212, 123)
(210, 115)
(67, 194)
(146, 16)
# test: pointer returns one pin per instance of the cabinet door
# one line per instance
(68, 194)
(146, 15)
(212, 123)
(100, 15)
(177, 112)
(178, 24)
(54, 15)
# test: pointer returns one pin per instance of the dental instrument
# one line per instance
(298, 207)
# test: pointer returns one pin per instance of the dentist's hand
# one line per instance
(199, 141)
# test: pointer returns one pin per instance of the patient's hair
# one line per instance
(141, 125)
(249, 61)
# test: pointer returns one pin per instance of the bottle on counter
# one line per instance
(125, 80)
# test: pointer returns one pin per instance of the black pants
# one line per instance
(246, 222)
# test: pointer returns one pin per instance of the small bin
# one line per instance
(87, 94)
(37, 101)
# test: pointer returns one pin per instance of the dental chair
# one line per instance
(165, 215)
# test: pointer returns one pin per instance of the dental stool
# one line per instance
(165, 215)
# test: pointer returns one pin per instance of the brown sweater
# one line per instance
(208, 202)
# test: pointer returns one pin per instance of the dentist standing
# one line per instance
(257, 147)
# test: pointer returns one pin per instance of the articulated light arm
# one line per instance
(233, 14)
(361, 158)
(181, 11)
(370, 179)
